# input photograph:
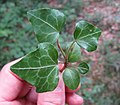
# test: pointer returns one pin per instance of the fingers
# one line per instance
(73, 99)
(17, 102)
(56, 97)
(10, 85)
(32, 96)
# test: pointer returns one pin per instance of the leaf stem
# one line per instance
(63, 53)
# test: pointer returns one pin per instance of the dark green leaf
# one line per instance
(47, 24)
(75, 54)
(39, 68)
(71, 78)
(87, 35)
(83, 68)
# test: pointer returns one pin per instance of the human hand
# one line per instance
(15, 91)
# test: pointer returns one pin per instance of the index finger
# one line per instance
(10, 85)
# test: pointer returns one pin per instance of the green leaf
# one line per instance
(39, 68)
(83, 68)
(71, 78)
(47, 23)
(87, 35)
(75, 54)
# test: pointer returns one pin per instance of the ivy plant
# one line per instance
(40, 67)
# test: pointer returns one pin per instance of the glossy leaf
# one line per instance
(71, 78)
(83, 68)
(75, 54)
(39, 68)
(87, 35)
(47, 23)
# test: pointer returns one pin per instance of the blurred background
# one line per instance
(101, 86)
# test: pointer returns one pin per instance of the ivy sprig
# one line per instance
(40, 67)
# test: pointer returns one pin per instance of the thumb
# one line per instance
(56, 97)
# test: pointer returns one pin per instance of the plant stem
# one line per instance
(63, 53)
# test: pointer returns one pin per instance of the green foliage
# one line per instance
(71, 78)
(5, 33)
(83, 68)
(47, 24)
(14, 26)
(72, 54)
(21, 40)
(86, 35)
(16, 36)
(39, 68)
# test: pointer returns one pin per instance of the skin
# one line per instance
(15, 91)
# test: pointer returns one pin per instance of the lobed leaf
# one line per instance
(47, 23)
(39, 68)
(87, 35)
(71, 78)
(83, 68)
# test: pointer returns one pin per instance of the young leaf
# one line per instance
(75, 54)
(39, 68)
(71, 78)
(47, 24)
(87, 35)
(83, 68)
